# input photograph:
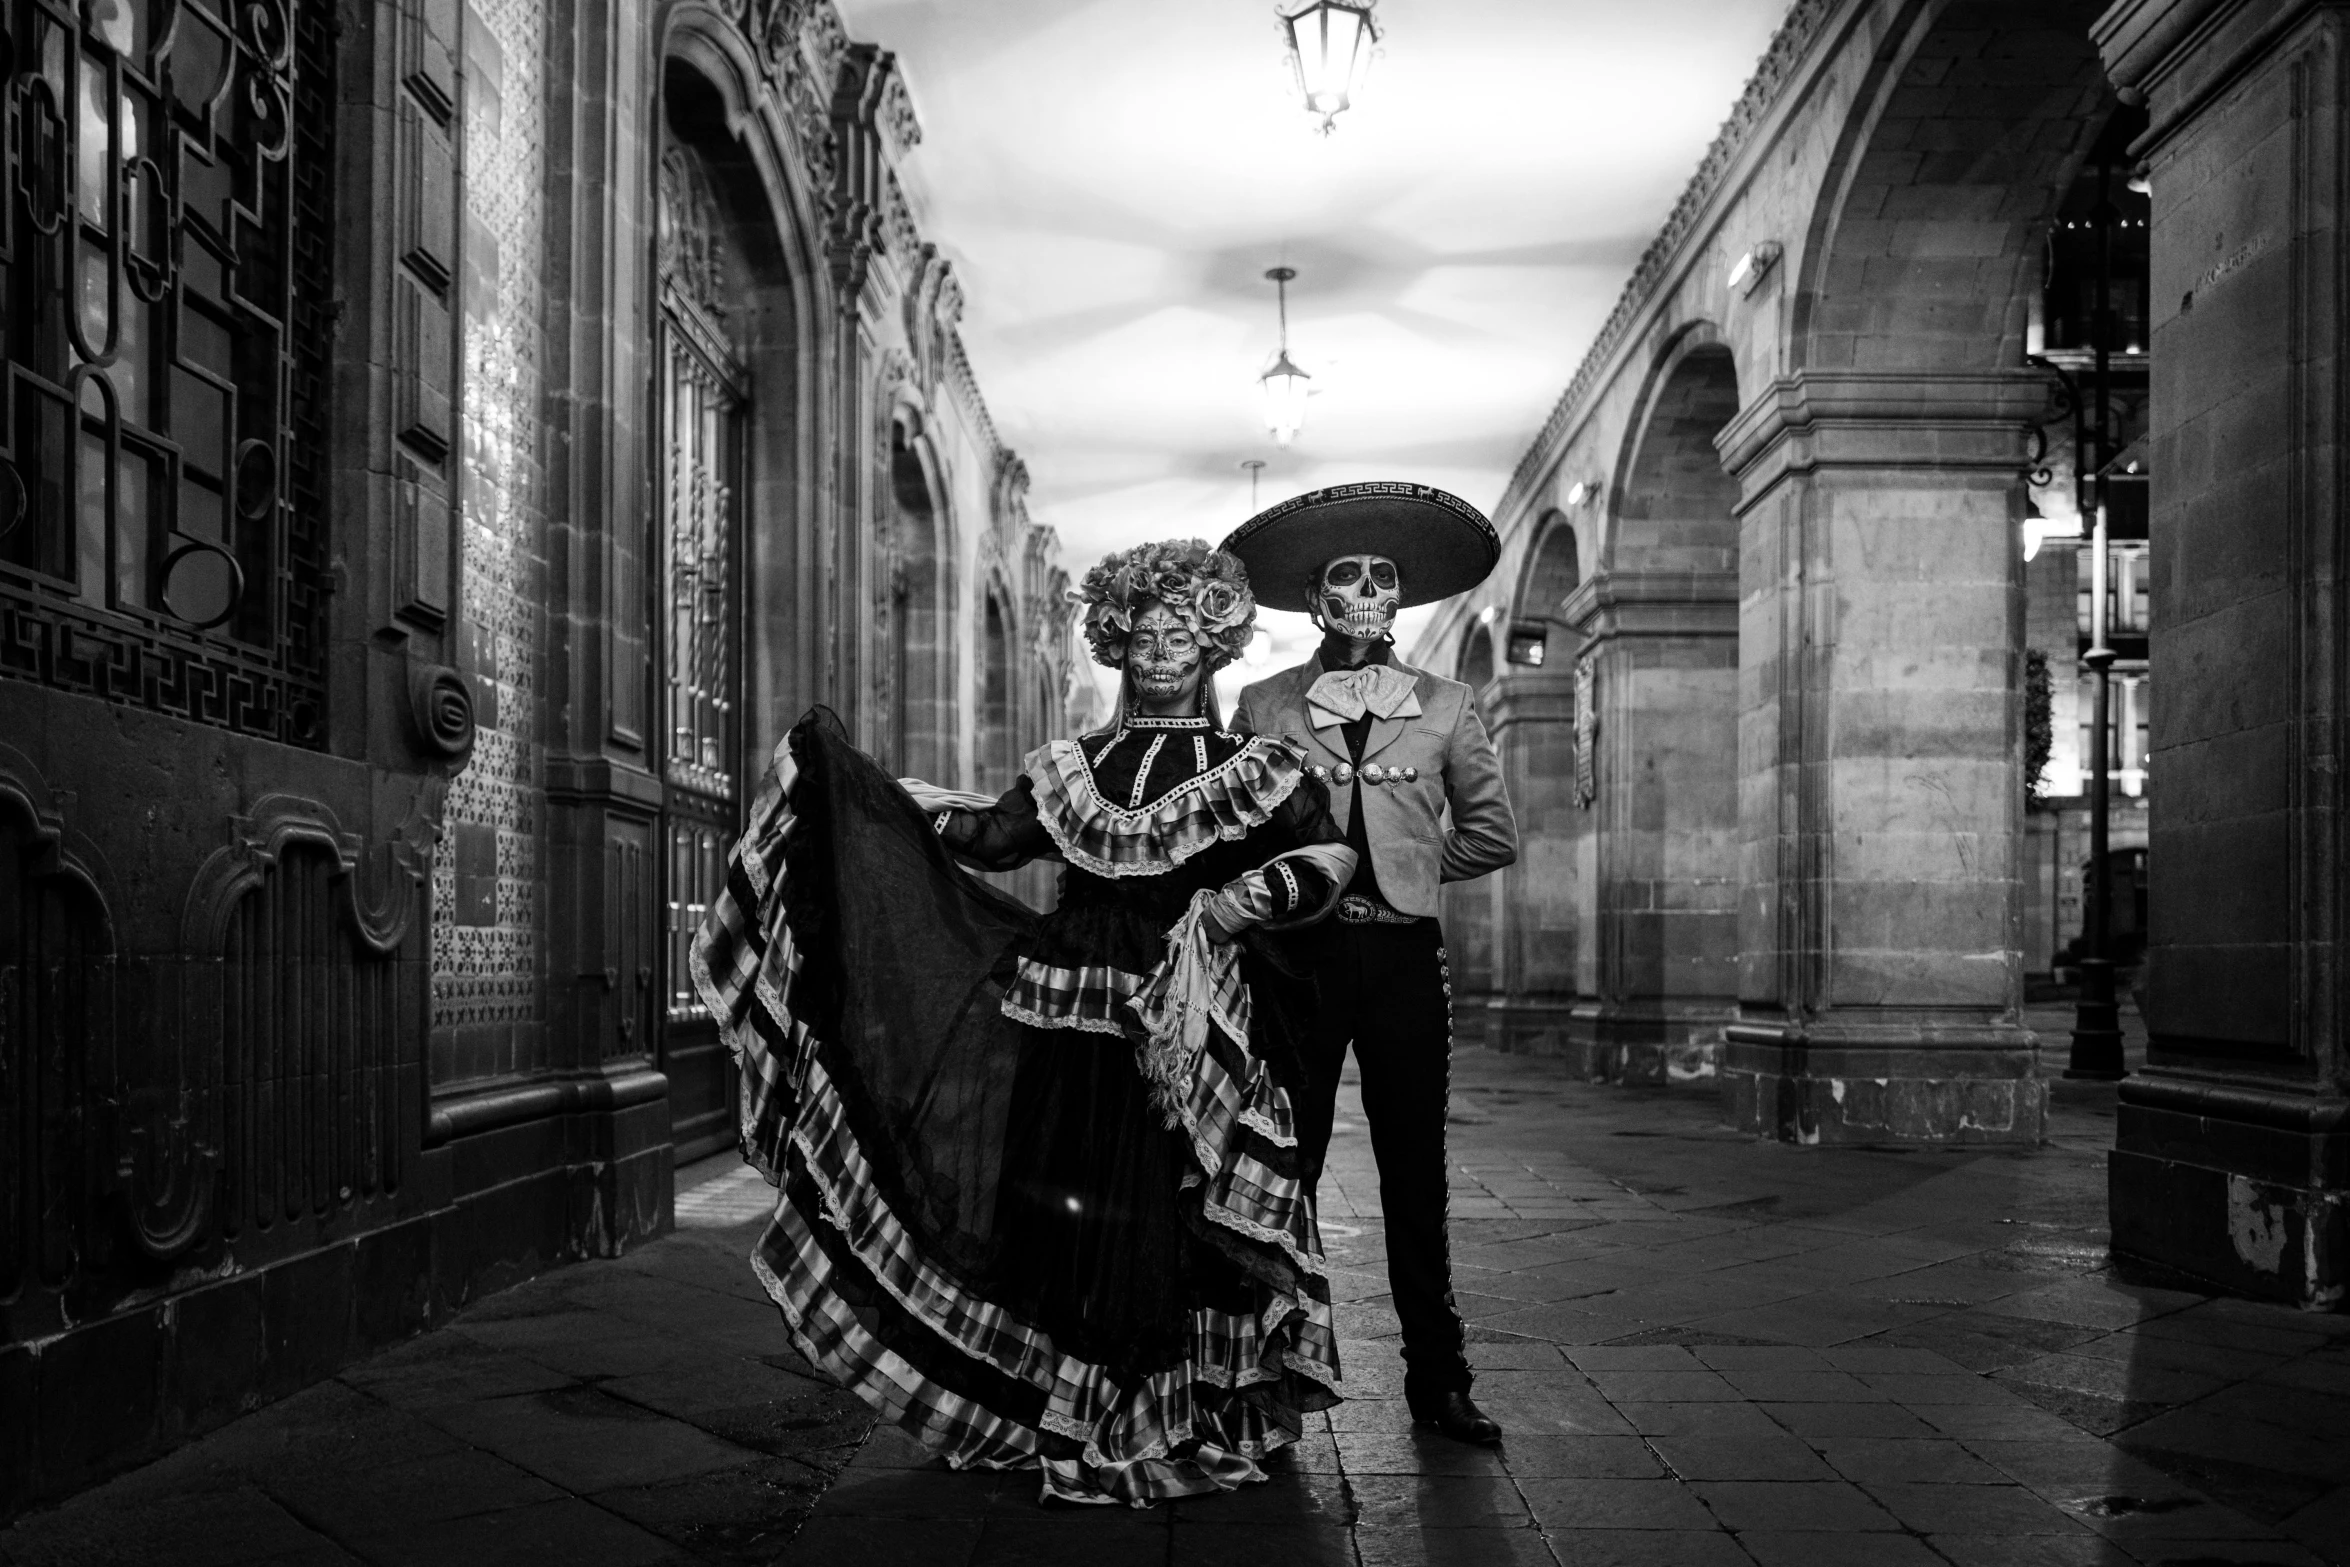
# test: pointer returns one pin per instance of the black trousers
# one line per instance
(1385, 990)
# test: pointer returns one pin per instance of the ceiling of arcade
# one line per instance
(1114, 177)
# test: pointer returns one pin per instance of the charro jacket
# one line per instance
(1413, 848)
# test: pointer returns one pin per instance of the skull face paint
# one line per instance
(1358, 596)
(1163, 658)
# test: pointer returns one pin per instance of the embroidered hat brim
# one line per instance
(1440, 543)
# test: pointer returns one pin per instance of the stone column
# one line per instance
(1663, 647)
(1537, 911)
(1880, 760)
(2233, 1143)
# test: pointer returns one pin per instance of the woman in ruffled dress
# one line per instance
(1038, 1185)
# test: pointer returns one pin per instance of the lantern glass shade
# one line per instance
(1285, 398)
(1529, 642)
(1330, 42)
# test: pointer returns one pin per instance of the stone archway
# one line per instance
(1551, 579)
(1657, 665)
(1474, 667)
(999, 736)
(1880, 826)
(726, 427)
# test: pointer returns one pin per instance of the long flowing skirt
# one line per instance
(1013, 1242)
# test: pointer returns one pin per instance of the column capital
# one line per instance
(1955, 421)
(1528, 696)
(1612, 603)
(2173, 55)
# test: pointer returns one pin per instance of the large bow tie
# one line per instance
(1344, 694)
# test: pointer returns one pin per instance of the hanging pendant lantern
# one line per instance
(1330, 44)
(1284, 385)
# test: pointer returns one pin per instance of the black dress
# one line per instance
(1039, 1198)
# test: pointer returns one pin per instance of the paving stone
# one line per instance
(1753, 1457)
(2031, 1550)
(1634, 1357)
(1213, 1544)
(1442, 1547)
(930, 1492)
(1760, 1357)
(212, 1530)
(745, 1515)
(1820, 1386)
(1697, 1419)
(1818, 1506)
(1042, 1537)
(584, 1441)
(1581, 1457)
(1834, 1420)
(1649, 1548)
(1422, 1452)
(1435, 1501)
(1931, 1508)
(1664, 1387)
(2016, 1422)
(566, 1530)
(884, 1542)
(1870, 1460)
(1559, 1414)
(453, 1485)
(1568, 1505)
(1772, 1548)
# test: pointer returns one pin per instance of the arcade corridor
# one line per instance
(444, 444)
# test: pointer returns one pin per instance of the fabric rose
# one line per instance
(1205, 586)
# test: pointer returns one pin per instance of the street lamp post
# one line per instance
(2097, 1036)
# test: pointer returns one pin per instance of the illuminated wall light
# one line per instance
(1747, 273)
(1529, 642)
(1578, 493)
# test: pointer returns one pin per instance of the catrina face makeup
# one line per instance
(1358, 596)
(1163, 657)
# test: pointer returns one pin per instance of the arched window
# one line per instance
(1554, 574)
(998, 744)
(917, 617)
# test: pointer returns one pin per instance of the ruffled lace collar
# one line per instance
(1222, 802)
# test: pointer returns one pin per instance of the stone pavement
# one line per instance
(1706, 1350)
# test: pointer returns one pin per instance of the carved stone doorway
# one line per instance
(705, 394)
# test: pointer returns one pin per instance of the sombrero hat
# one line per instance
(1440, 543)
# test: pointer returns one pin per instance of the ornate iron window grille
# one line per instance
(165, 249)
(704, 397)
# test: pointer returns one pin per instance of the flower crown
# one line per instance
(1208, 587)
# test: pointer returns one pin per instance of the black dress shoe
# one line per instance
(1457, 1416)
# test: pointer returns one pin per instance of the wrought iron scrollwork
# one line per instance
(2064, 401)
(163, 226)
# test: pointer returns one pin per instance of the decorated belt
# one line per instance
(1355, 909)
(1370, 773)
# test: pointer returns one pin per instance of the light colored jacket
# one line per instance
(1412, 849)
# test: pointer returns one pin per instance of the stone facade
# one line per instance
(494, 422)
(2233, 1154)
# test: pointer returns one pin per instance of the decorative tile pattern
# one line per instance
(489, 953)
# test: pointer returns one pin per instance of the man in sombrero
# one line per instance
(1399, 747)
